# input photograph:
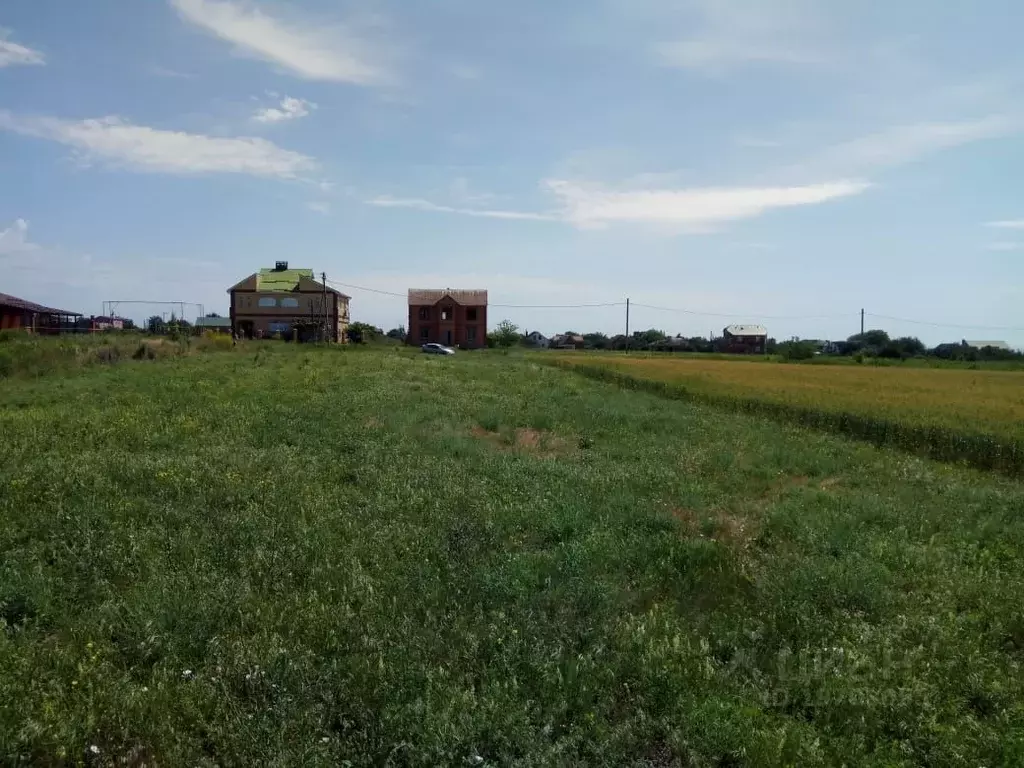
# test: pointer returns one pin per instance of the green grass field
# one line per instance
(287, 555)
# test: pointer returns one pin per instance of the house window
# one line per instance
(471, 334)
(290, 303)
(446, 313)
(424, 333)
(424, 313)
(268, 301)
(471, 315)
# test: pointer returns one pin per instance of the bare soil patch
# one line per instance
(537, 442)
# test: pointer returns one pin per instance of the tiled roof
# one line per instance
(420, 297)
(276, 281)
(6, 300)
(747, 330)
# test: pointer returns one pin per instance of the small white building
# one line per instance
(538, 339)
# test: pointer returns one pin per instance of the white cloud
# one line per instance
(1007, 224)
(12, 54)
(1006, 246)
(306, 49)
(690, 209)
(319, 206)
(903, 144)
(694, 210)
(172, 74)
(744, 32)
(289, 109)
(425, 205)
(14, 239)
(120, 143)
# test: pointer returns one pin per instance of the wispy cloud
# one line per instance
(695, 210)
(902, 144)
(289, 109)
(425, 205)
(116, 142)
(12, 54)
(700, 209)
(725, 35)
(170, 73)
(304, 48)
(319, 206)
(1006, 246)
(1007, 224)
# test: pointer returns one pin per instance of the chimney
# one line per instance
(281, 266)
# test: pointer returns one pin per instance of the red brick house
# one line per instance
(455, 318)
(744, 339)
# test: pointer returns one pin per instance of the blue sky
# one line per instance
(777, 161)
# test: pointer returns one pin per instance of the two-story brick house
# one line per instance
(744, 339)
(288, 303)
(455, 318)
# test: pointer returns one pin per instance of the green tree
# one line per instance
(397, 333)
(875, 338)
(156, 325)
(506, 334)
(595, 340)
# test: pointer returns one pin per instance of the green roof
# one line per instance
(213, 322)
(275, 281)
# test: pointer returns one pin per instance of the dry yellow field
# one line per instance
(968, 401)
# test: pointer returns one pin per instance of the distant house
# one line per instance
(102, 323)
(672, 344)
(288, 303)
(982, 344)
(538, 339)
(449, 316)
(744, 339)
(213, 323)
(567, 341)
(22, 314)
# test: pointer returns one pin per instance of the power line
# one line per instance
(946, 325)
(748, 315)
(695, 313)
(501, 306)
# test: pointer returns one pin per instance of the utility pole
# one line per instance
(627, 322)
(323, 276)
(862, 322)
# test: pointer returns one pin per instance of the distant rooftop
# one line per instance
(983, 343)
(213, 322)
(428, 297)
(6, 300)
(747, 330)
(280, 278)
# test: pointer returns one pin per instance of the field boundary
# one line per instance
(982, 451)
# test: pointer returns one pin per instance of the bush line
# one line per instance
(983, 451)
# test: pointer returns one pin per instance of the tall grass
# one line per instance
(999, 452)
(27, 355)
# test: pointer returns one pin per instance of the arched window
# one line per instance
(268, 301)
(289, 303)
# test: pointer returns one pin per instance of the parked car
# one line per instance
(437, 349)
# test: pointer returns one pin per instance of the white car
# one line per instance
(437, 349)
